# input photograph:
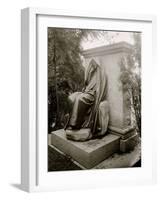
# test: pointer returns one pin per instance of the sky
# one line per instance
(108, 37)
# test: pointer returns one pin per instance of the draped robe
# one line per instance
(85, 104)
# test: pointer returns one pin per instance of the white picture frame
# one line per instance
(32, 177)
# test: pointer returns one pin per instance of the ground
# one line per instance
(59, 162)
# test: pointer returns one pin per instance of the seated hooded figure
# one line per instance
(90, 114)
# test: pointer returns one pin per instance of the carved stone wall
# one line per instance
(109, 58)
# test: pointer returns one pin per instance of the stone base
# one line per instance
(123, 160)
(129, 143)
(88, 153)
(124, 133)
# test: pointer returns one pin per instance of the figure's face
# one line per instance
(90, 70)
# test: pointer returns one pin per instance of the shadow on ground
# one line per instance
(59, 162)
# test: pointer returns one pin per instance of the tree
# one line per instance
(65, 70)
(131, 78)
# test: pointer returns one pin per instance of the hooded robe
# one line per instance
(85, 105)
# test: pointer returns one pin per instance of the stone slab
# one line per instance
(88, 153)
(49, 139)
(117, 160)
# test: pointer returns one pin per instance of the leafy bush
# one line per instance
(131, 79)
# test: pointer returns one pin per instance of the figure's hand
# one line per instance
(73, 96)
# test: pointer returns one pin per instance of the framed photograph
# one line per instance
(86, 99)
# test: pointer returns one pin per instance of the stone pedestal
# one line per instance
(88, 153)
(128, 137)
(129, 143)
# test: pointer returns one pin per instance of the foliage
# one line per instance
(65, 71)
(131, 78)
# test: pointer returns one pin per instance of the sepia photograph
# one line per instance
(94, 99)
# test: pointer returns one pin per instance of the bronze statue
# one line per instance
(90, 114)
